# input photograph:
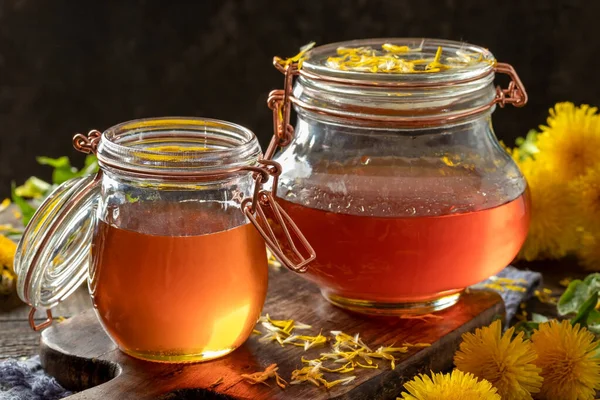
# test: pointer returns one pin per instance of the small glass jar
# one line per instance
(393, 171)
(177, 271)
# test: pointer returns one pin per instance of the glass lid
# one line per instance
(400, 60)
(54, 253)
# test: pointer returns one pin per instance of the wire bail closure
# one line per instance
(87, 144)
(280, 100)
(263, 200)
(44, 324)
(515, 94)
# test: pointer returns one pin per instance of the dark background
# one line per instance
(70, 66)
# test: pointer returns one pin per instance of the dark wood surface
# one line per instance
(79, 354)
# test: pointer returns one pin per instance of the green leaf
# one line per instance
(14, 235)
(593, 280)
(27, 210)
(593, 317)
(527, 327)
(593, 322)
(584, 311)
(37, 189)
(61, 162)
(594, 328)
(528, 145)
(33, 188)
(90, 159)
(574, 296)
(62, 175)
(63, 171)
(90, 166)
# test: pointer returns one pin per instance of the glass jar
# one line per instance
(393, 171)
(177, 273)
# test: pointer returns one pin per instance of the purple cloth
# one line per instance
(512, 299)
(25, 380)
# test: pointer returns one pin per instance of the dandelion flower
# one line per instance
(456, 385)
(7, 252)
(589, 252)
(7, 280)
(588, 190)
(7, 273)
(567, 357)
(570, 143)
(553, 228)
(504, 361)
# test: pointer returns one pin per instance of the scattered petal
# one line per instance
(263, 376)
(216, 383)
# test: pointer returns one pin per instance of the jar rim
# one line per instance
(175, 146)
(315, 63)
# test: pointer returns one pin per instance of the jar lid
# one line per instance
(54, 253)
(399, 61)
(392, 83)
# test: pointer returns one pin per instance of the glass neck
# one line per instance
(383, 106)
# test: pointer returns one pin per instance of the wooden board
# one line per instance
(80, 355)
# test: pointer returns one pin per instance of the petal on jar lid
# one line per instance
(399, 60)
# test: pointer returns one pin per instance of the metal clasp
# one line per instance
(44, 324)
(276, 227)
(87, 144)
(279, 102)
(515, 94)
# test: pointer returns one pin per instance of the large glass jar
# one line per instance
(393, 171)
(177, 271)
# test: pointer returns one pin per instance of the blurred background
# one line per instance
(69, 66)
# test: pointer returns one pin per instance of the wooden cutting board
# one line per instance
(82, 358)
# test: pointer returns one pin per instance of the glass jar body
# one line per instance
(402, 220)
(178, 274)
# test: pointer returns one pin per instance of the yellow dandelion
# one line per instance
(7, 280)
(567, 356)
(7, 252)
(456, 385)
(553, 230)
(587, 188)
(570, 143)
(589, 252)
(7, 273)
(504, 361)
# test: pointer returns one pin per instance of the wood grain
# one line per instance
(80, 355)
(15, 341)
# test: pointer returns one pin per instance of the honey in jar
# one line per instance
(393, 171)
(168, 234)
